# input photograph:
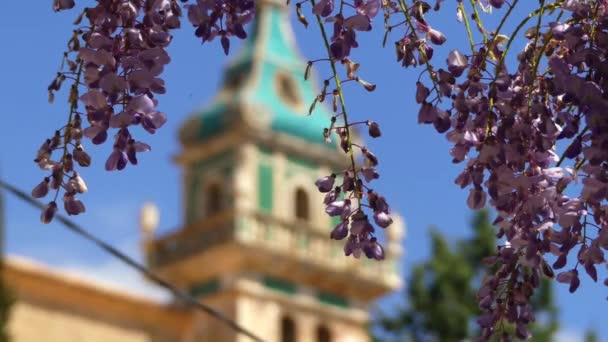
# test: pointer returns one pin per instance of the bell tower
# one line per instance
(255, 239)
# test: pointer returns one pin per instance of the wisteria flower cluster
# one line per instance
(113, 65)
(506, 127)
(349, 195)
(532, 138)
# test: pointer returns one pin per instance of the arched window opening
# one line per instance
(213, 200)
(288, 330)
(287, 89)
(323, 334)
(302, 205)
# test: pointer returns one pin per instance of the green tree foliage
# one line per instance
(591, 336)
(441, 292)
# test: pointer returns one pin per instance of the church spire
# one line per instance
(264, 90)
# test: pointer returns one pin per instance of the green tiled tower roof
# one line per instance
(264, 86)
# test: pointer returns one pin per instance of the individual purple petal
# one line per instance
(122, 119)
(497, 3)
(335, 208)
(360, 225)
(141, 104)
(112, 83)
(370, 8)
(359, 22)
(225, 44)
(476, 199)
(323, 8)
(48, 212)
(428, 54)
(141, 146)
(97, 134)
(239, 31)
(565, 277)
(383, 219)
(373, 250)
(427, 113)
(574, 283)
(59, 5)
(132, 154)
(422, 92)
(42, 189)
(153, 120)
(94, 98)
(72, 205)
(371, 158)
(331, 196)
(338, 50)
(325, 184)
(340, 231)
(97, 40)
(591, 271)
(374, 129)
(352, 246)
(436, 37)
(141, 79)
(457, 62)
(369, 173)
(116, 160)
(346, 210)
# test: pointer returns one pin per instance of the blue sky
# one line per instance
(417, 173)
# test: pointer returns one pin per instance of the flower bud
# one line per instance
(325, 184)
(368, 86)
(335, 208)
(331, 195)
(373, 160)
(81, 157)
(41, 189)
(59, 5)
(360, 225)
(457, 62)
(436, 37)
(72, 205)
(57, 178)
(374, 129)
(301, 17)
(340, 231)
(422, 92)
(49, 212)
(373, 250)
(81, 186)
(476, 199)
(369, 173)
(427, 55)
(383, 219)
(68, 163)
(352, 247)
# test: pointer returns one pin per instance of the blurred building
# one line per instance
(255, 241)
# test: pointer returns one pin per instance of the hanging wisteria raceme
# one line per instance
(532, 135)
(114, 65)
(348, 194)
(506, 126)
(220, 18)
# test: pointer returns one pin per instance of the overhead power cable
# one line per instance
(179, 294)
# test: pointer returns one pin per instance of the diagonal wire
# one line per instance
(189, 300)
